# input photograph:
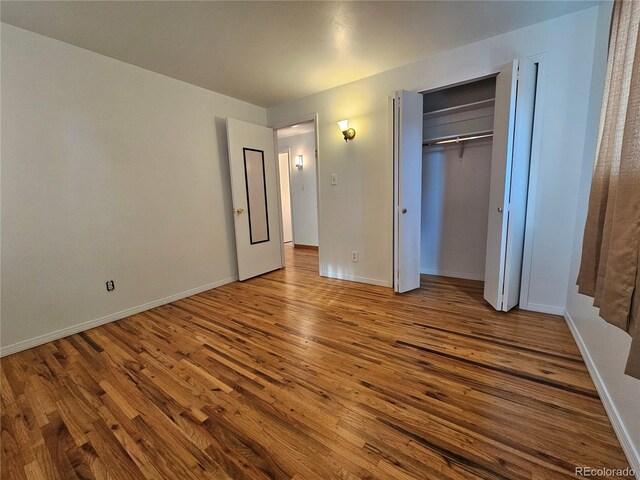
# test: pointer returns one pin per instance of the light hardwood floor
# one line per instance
(291, 375)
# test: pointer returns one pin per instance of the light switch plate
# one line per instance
(334, 179)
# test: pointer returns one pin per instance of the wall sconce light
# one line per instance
(298, 161)
(348, 133)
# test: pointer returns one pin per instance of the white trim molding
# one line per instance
(540, 308)
(630, 450)
(354, 278)
(81, 327)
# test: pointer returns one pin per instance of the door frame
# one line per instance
(287, 152)
(310, 117)
(534, 164)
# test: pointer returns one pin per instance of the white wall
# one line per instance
(455, 206)
(109, 172)
(304, 194)
(605, 348)
(357, 213)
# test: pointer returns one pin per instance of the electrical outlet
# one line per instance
(111, 286)
(334, 179)
(354, 256)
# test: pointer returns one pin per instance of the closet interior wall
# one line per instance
(455, 180)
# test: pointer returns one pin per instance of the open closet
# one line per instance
(456, 174)
(461, 181)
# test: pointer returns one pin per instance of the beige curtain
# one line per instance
(609, 270)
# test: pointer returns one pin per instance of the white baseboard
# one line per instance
(630, 450)
(538, 307)
(80, 327)
(448, 273)
(354, 278)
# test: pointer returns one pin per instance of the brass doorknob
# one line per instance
(238, 210)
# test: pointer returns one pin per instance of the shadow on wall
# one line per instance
(455, 202)
(225, 176)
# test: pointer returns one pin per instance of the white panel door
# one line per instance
(512, 131)
(407, 163)
(517, 213)
(256, 203)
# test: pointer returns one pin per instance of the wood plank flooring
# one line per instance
(294, 376)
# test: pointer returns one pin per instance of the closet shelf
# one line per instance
(489, 102)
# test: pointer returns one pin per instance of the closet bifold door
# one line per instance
(512, 133)
(407, 191)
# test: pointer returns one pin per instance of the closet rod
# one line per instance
(457, 139)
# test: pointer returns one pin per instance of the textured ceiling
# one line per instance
(272, 52)
(301, 128)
